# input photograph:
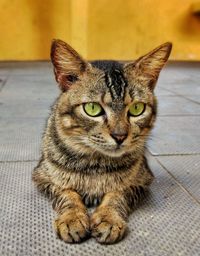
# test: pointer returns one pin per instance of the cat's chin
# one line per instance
(113, 153)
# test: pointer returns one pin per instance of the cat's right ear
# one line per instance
(68, 64)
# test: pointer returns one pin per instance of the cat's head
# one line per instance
(106, 106)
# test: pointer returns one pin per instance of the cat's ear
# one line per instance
(68, 64)
(150, 65)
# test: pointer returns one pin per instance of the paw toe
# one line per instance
(71, 228)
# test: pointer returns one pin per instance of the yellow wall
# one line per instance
(99, 29)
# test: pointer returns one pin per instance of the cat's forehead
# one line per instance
(108, 83)
(114, 77)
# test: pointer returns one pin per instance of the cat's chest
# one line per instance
(93, 186)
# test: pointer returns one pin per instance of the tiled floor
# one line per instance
(167, 223)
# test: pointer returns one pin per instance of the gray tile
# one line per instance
(20, 139)
(177, 106)
(181, 78)
(26, 67)
(194, 98)
(30, 88)
(166, 223)
(3, 81)
(180, 70)
(186, 170)
(5, 68)
(159, 91)
(184, 65)
(168, 78)
(185, 89)
(182, 86)
(31, 68)
(175, 135)
(8, 64)
(24, 109)
(28, 96)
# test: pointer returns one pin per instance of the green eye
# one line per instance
(136, 109)
(93, 109)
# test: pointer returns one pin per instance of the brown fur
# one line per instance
(81, 163)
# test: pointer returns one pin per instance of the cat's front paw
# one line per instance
(72, 226)
(107, 226)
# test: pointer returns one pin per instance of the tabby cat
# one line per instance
(94, 142)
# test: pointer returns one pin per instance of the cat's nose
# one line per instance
(119, 137)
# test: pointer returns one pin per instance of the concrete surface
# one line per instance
(167, 223)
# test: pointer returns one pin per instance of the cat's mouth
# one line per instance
(114, 151)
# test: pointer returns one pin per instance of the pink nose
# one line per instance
(119, 137)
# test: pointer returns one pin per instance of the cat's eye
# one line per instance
(93, 109)
(136, 109)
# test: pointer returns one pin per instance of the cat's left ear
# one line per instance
(68, 64)
(149, 66)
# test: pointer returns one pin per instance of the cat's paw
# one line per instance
(72, 226)
(107, 226)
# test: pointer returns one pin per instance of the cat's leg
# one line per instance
(72, 222)
(108, 222)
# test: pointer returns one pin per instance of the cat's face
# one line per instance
(106, 106)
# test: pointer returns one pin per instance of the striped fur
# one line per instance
(81, 164)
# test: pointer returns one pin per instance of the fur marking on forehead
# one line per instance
(114, 77)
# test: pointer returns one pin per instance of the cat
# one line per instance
(94, 143)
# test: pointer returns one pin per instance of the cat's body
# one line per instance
(98, 159)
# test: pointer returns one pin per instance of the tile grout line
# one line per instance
(185, 97)
(180, 95)
(176, 154)
(4, 82)
(19, 161)
(178, 183)
(178, 115)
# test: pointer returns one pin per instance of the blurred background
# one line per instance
(99, 29)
